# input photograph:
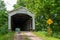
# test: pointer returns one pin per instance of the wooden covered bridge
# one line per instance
(21, 18)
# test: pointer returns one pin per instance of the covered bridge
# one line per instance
(21, 18)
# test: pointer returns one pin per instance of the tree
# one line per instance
(3, 18)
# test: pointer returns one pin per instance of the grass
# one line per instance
(26, 38)
(8, 36)
(44, 36)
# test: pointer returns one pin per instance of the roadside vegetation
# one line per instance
(44, 35)
(8, 36)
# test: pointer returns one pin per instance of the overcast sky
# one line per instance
(9, 4)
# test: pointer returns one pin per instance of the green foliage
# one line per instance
(4, 29)
(3, 18)
(57, 35)
(8, 36)
(43, 35)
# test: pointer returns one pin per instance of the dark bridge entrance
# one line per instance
(22, 21)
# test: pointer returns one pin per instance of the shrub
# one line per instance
(4, 29)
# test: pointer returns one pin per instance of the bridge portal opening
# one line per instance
(22, 21)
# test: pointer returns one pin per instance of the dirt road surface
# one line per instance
(21, 36)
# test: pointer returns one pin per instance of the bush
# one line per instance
(4, 29)
(57, 35)
(8, 36)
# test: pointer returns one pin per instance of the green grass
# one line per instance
(8, 36)
(44, 36)
(27, 38)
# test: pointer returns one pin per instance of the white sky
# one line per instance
(9, 4)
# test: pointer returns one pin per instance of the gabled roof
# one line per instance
(21, 10)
